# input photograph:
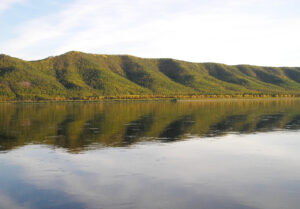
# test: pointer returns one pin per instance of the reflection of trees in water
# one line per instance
(268, 122)
(77, 133)
(228, 124)
(7, 141)
(77, 127)
(136, 129)
(176, 129)
(294, 124)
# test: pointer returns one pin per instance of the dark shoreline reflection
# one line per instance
(80, 126)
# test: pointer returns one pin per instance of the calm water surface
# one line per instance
(199, 154)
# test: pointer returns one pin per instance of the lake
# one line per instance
(225, 154)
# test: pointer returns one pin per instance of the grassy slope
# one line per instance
(77, 75)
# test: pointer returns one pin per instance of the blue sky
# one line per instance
(259, 32)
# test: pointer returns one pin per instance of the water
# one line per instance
(189, 154)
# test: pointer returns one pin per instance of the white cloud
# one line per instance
(5, 4)
(218, 31)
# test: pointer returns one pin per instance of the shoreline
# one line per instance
(152, 100)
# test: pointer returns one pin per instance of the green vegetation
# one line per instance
(81, 76)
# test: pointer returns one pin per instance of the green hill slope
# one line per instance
(77, 75)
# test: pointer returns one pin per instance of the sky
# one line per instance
(258, 32)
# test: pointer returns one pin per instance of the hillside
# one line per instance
(77, 75)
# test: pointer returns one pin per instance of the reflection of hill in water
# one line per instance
(79, 126)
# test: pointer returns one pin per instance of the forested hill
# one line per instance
(77, 75)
